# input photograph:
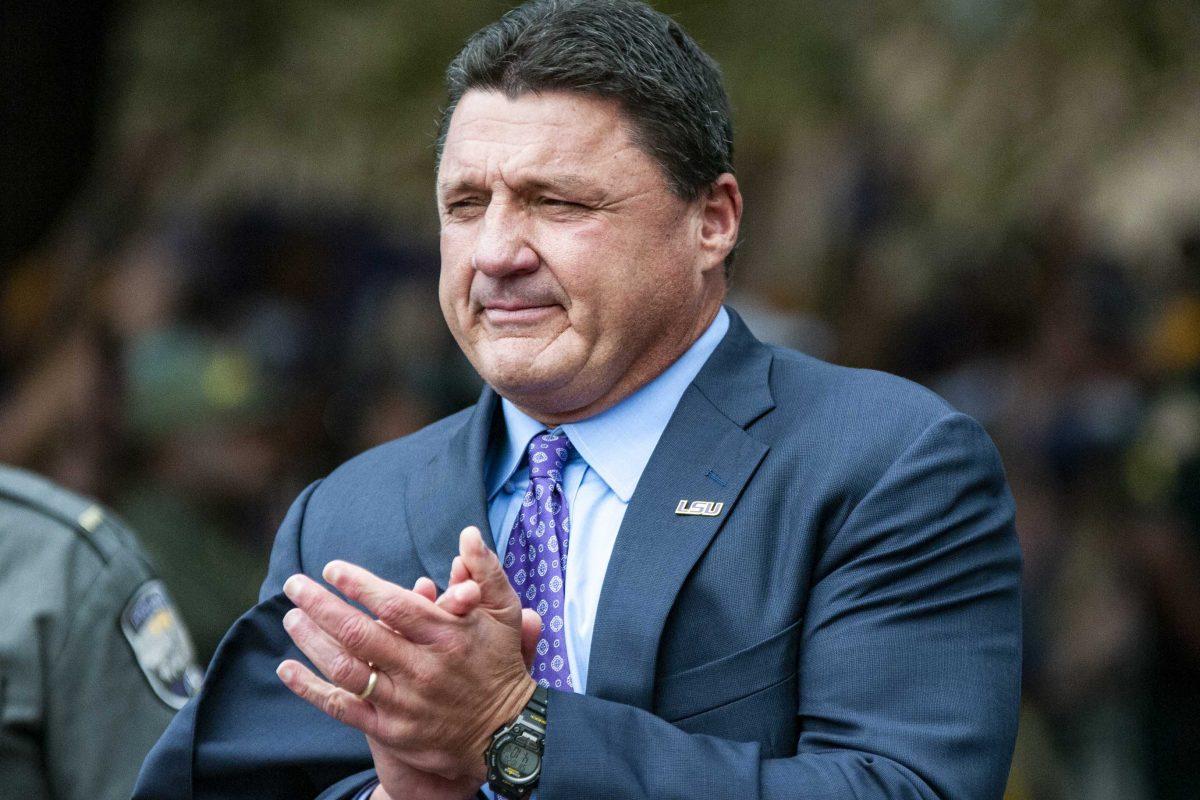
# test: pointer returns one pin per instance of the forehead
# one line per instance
(494, 137)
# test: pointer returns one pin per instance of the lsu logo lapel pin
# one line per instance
(698, 508)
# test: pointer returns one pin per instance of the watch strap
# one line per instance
(534, 712)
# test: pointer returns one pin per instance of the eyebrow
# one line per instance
(566, 182)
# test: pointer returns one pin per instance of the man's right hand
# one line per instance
(462, 595)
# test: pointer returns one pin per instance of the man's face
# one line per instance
(569, 269)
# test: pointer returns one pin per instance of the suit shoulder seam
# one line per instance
(908, 448)
(303, 518)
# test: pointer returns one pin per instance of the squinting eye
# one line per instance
(559, 203)
(459, 207)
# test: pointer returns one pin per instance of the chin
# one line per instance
(535, 387)
(519, 384)
(516, 370)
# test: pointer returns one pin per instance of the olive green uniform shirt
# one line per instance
(94, 660)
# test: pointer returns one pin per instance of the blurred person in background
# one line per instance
(192, 369)
(1162, 487)
(190, 373)
(94, 659)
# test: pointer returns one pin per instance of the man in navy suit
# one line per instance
(786, 579)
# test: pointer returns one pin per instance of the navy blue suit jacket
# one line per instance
(847, 627)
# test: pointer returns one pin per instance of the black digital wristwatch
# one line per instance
(514, 759)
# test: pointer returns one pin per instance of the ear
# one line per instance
(720, 218)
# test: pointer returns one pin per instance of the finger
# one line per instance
(410, 614)
(485, 568)
(460, 598)
(339, 667)
(332, 700)
(458, 571)
(351, 628)
(457, 601)
(531, 631)
(426, 588)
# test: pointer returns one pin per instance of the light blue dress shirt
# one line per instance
(610, 453)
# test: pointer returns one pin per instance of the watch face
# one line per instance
(514, 756)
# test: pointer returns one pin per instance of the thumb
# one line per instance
(484, 567)
(531, 631)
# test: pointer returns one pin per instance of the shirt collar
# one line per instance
(618, 442)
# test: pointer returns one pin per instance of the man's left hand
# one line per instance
(445, 682)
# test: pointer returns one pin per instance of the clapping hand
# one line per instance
(449, 669)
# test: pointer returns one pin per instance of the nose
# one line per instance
(502, 248)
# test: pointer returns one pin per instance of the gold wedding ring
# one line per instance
(371, 681)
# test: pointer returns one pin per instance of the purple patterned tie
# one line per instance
(536, 559)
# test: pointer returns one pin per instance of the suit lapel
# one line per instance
(448, 495)
(704, 454)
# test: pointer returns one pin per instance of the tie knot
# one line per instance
(548, 453)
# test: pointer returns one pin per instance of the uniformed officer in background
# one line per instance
(94, 660)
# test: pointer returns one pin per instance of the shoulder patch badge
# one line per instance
(161, 644)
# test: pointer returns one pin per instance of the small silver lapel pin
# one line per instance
(698, 508)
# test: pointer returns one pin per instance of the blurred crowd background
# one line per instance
(219, 263)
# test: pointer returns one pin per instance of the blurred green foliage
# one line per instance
(994, 116)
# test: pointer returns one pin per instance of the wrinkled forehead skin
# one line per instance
(566, 144)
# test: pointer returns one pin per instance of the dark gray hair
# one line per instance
(669, 89)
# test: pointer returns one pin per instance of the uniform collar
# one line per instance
(618, 442)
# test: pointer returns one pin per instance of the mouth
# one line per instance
(504, 314)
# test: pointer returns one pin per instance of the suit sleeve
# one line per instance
(909, 670)
(245, 735)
